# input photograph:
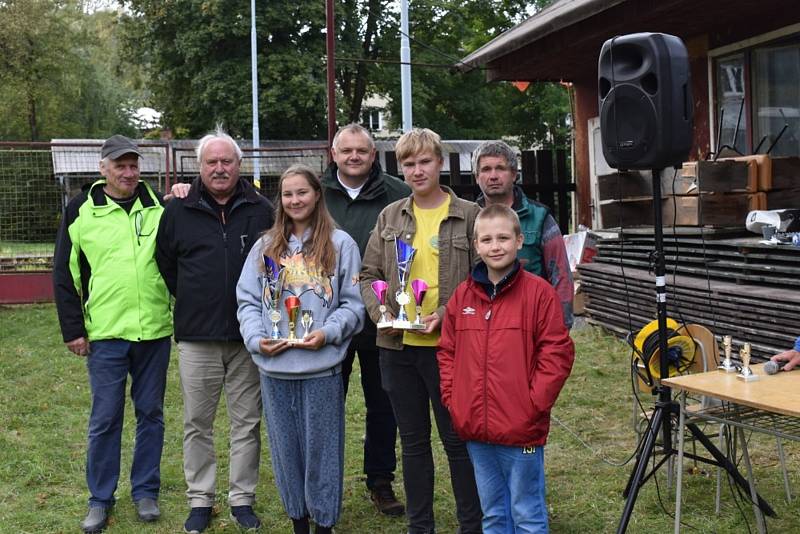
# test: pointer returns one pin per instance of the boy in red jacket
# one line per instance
(504, 355)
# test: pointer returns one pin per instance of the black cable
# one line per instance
(580, 440)
(634, 374)
(664, 508)
(400, 62)
(708, 277)
(420, 43)
(676, 297)
(735, 490)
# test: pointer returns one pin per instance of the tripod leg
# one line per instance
(637, 475)
(762, 528)
(728, 466)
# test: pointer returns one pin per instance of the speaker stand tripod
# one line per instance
(666, 407)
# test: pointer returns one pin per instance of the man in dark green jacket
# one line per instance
(543, 253)
(356, 190)
(113, 307)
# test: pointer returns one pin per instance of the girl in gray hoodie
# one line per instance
(303, 262)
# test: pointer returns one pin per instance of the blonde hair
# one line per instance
(318, 249)
(417, 141)
(498, 211)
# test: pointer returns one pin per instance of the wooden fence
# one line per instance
(546, 177)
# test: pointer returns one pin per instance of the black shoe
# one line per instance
(198, 520)
(245, 517)
(147, 509)
(96, 520)
(385, 501)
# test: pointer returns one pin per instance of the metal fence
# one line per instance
(270, 161)
(36, 182)
(38, 179)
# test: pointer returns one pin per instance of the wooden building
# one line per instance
(744, 60)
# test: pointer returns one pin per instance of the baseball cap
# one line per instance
(117, 146)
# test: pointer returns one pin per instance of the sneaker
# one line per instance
(147, 509)
(96, 520)
(385, 501)
(198, 520)
(245, 517)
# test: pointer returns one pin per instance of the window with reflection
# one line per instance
(757, 108)
(776, 99)
(731, 113)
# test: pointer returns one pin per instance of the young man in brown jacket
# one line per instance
(438, 224)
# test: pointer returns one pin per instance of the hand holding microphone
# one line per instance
(786, 360)
(774, 366)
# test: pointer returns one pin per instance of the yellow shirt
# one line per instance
(426, 267)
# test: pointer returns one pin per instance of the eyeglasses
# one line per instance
(137, 223)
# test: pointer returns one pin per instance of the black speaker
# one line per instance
(645, 101)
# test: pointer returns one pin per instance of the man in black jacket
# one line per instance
(202, 242)
(356, 190)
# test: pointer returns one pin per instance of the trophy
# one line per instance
(379, 287)
(419, 287)
(727, 364)
(746, 374)
(306, 319)
(272, 294)
(404, 254)
(292, 309)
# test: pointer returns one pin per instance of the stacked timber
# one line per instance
(625, 199)
(733, 286)
(713, 194)
(782, 184)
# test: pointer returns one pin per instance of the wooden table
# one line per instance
(769, 405)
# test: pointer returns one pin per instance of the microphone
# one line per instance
(772, 367)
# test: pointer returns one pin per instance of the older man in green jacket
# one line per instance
(114, 311)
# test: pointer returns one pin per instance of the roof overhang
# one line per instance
(562, 42)
(554, 17)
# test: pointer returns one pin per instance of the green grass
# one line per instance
(44, 403)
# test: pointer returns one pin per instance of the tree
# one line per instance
(463, 105)
(197, 53)
(197, 56)
(54, 81)
(361, 27)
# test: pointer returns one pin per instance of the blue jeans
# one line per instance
(411, 379)
(109, 363)
(511, 487)
(380, 460)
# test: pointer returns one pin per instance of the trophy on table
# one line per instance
(727, 363)
(272, 294)
(746, 374)
(419, 287)
(379, 287)
(292, 309)
(404, 255)
(306, 320)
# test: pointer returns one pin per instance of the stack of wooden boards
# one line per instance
(702, 193)
(733, 286)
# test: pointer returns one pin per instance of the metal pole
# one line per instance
(405, 66)
(330, 45)
(254, 83)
